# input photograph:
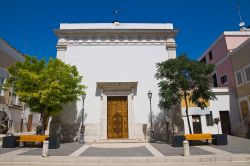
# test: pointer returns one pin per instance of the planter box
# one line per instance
(177, 141)
(54, 142)
(219, 139)
(10, 142)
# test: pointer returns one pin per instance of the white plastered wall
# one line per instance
(221, 104)
(117, 63)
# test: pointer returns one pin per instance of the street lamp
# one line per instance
(82, 128)
(22, 117)
(167, 127)
(151, 130)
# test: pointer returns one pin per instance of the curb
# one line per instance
(133, 160)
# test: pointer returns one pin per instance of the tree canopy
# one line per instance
(186, 79)
(45, 86)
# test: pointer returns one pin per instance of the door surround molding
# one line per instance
(105, 89)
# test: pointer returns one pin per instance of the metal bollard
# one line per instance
(45, 148)
(186, 148)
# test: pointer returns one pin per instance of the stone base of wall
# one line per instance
(238, 130)
(92, 132)
(141, 131)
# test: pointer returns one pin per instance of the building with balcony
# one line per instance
(20, 119)
(240, 58)
(219, 54)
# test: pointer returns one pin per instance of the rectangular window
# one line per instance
(239, 78)
(247, 73)
(210, 54)
(215, 83)
(14, 99)
(1, 84)
(209, 119)
(203, 60)
(244, 111)
(223, 79)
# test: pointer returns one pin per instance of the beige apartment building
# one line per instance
(240, 58)
(20, 118)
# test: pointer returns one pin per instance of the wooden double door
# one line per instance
(197, 129)
(117, 116)
(225, 122)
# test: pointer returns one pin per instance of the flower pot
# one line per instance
(177, 140)
(219, 139)
(54, 142)
(10, 142)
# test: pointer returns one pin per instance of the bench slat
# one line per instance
(195, 137)
(32, 138)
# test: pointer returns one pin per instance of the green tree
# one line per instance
(44, 87)
(186, 79)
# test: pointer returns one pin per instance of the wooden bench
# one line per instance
(198, 137)
(32, 138)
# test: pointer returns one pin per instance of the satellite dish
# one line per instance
(241, 24)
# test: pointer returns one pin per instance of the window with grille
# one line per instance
(215, 83)
(247, 73)
(1, 84)
(239, 78)
(224, 79)
(203, 60)
(210, 54)
(209, 119)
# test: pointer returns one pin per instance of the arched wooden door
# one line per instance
(117, 116)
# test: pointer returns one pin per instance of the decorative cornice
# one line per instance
(115, 39)
(78, 32)
(89, 37)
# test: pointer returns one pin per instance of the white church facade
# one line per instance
(118, 64)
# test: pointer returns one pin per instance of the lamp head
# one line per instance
(149, 94)
(83, 96)
(167, 119)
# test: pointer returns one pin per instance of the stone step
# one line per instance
(121, 141)
(128, 160)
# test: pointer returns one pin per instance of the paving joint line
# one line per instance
(214, 150)
(153, 150)
(79, 151)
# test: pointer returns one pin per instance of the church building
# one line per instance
(118, 64)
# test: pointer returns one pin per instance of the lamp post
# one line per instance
(167, 127)
(22, 116)
(151, 129)
(82, 128)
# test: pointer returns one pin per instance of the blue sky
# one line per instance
(199, 22)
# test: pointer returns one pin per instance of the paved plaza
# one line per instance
(108, 153)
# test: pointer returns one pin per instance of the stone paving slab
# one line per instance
(168, 150)
(115, 152)
(236, 145)
(65, 150)
(6, 150)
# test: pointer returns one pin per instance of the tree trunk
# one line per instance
(189, 126)
(44, 121)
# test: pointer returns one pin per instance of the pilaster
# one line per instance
(171, 48)
(61, 50)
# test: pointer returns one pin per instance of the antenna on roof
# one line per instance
(116, 12)
(241, 24)
(25, 45)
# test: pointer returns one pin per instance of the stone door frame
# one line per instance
(117, 89)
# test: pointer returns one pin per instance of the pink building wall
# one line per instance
(221, 59)
(220, 50)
